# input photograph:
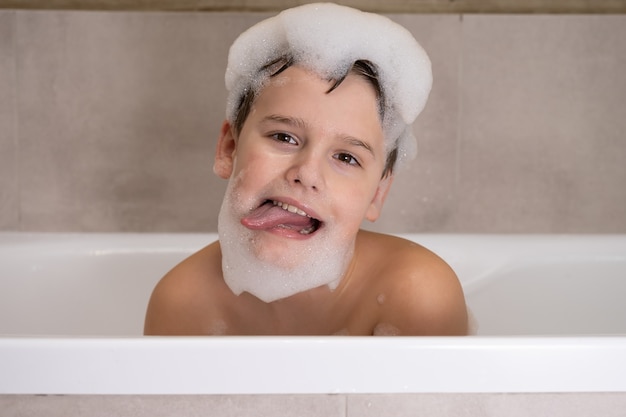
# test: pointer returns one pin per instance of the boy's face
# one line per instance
(317, 153)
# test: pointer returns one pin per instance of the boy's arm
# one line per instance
(424, 297)
(178, 304)
(186, 301)
(168, 311)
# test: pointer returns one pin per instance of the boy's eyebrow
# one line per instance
(291, 121)
(358, 142)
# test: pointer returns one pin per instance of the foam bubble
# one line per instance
(386, 329)
(327, 38)
(218, 327)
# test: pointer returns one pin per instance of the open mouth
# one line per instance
(312, 224)
(279, 215)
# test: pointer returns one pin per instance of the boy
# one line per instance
(321, 102)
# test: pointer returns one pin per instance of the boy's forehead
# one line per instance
(298, 88)
(294, 75)
(302, 82)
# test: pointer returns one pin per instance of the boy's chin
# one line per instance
(284, 249)
(271, 267)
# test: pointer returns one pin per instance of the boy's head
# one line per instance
(316, 113)
(332, 41)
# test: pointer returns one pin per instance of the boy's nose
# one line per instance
(306, 171)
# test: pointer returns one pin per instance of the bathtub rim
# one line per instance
(330, 365)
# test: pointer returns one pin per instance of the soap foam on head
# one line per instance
(327, 39)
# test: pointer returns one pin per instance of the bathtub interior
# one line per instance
(547, 297)
(83, 284)
(99, 284)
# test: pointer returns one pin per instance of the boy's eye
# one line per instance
(284, 137)
(347, 159)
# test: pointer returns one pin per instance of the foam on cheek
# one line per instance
(328, 39)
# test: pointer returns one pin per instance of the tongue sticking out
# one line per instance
(269, 216)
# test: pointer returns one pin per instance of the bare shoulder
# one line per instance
(180, 301)
(421, 294)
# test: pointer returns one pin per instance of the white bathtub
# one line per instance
(550, 313)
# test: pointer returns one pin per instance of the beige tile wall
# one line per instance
(120, 115)
(9, 192)
(364, 405)
(387, 6)
(108, 122)
(543, 128)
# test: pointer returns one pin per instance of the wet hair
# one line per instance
(363, 68)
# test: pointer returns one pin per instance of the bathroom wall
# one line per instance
(108, 122)
(363, 405)
(387, 6)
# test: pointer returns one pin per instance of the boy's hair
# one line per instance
(333, 41)
(360, 67)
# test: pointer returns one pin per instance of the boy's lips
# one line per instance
(283, 216)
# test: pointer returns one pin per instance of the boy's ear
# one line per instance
(376, 205)
(225, 152)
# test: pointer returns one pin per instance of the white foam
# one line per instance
(247, 265)
(327, 38)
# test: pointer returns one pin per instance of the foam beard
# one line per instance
(249, 266)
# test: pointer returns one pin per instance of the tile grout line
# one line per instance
(460, 116)
(16, 121)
